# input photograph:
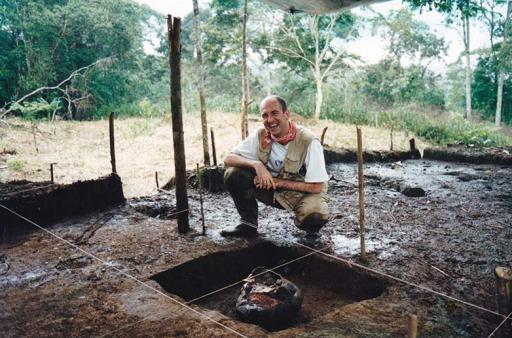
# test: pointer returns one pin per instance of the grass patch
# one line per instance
(454, 130)
(15, 165)
(457, 131)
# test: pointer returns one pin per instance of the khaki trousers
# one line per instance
(311, 210)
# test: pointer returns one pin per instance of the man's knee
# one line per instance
(312, 214)
(235, 177)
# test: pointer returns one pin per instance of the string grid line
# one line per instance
(107, 264)
(313, 250)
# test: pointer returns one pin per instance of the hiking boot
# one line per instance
(311, 240)
(313, 222)
(240, 230)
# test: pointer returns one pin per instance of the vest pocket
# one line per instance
(292, 164)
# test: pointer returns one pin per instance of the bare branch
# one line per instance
(38, 90)
(333, 62)
(291, 53)
(330, 27)
(296, 37)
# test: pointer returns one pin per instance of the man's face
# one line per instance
(274, 119)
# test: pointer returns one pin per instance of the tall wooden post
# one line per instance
(174, 30)
(361, 193)
(112, 143)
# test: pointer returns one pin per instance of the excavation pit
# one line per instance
(326, 283)
(159, 206)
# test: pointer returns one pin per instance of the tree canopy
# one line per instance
(82, 59)
(48, 40)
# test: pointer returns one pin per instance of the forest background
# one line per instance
(80, 60)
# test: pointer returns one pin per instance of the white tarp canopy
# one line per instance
(318, 6)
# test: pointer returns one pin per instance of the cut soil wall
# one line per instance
(333, 155)
(45, 203)
(470, 155)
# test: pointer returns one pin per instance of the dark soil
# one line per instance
(449, 240)
(468, 154)
(45, 203)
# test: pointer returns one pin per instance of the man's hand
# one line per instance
(263, 179)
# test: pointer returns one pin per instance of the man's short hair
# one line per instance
(279, 99)
(282, 102)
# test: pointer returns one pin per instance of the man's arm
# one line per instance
(264, 177)
(312, 188)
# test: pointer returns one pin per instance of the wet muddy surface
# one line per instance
(448, 239)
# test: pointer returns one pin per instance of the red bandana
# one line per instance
(290, 136)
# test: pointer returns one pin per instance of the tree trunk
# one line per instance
(200, 75)
(501, 72)
(245, 82)
(468, 67)
(319, 97)
(269, 84)
(499, 97)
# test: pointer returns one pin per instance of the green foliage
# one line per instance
(37, 109)
(484, 88)
(414, 119)
(407, 36)
(454, 87)
(464, 7)
(311, 32)
(387, 83)
(456, 130)
(46, 40)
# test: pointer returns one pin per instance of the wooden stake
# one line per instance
(361, 192)
(504, 297)
(503, 289)
(412, 145)
(391, 138)
(413, 326)
(200, 187)
(34, 136)
(214, 152)
(156, 180)
(112, 143)
(323, 136)
(51, 173)
(174, 30)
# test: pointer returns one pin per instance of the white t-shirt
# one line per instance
(314, 161)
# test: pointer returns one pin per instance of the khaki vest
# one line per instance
(293, 163)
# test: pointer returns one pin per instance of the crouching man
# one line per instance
(281, 165)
